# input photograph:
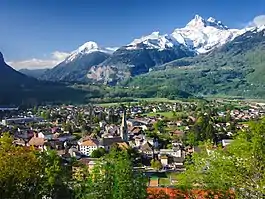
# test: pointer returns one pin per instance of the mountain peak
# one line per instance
(155, 33)
(88, 46)
(197, 22)
(198, 17)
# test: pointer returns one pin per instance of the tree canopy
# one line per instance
(114, 178)
(238, 168)
(27, 173)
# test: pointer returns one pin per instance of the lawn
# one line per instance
(165, 181)
(168, 114)
(115, 104)
(109, 104)
(157, 100)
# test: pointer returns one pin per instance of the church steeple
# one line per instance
(124, 127)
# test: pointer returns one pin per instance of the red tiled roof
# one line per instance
(35, 141)
(90, 142)
(173, 193)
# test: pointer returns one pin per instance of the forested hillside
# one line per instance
(236, 69)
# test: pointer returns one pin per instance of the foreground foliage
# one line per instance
(114, 178)
(239, 167)
(26, 173)
(236, 171)
(31, 174)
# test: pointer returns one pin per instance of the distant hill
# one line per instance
(11, 77)
(17, 88)
(36, 73)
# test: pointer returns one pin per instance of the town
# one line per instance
(161, 135)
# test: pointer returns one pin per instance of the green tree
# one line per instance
(210, 132)
(156, 164)
(46, 114)
(191, 139)
(19, 171)
(240, 167)
(159, 126)
(80, 118)
(228, 117)
(27, 173)
(114, 178)
(68, 127)
(54, 175)
(35, 110)
(98, 153)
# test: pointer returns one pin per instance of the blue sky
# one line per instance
(32, 30)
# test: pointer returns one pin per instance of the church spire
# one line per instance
(124, 127)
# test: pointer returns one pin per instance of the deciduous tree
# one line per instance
(239, 167)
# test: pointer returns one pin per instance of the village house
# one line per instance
(107, 143)
(147, 149)
(174, 153)
(37, 142)
(87, 146)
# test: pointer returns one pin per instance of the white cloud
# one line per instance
(60, 55)
(257, 21)
(53, 59)
(56, 58)
(112, 48)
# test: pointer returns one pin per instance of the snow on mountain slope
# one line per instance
(199, 35)
(87, 48)
(203, 35)
(260, 28)
(153, 41)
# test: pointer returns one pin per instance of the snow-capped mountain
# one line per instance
(87, 48)
(90, 61)
(153, 41)
(203, 35)
(199, 35)
(77, 64)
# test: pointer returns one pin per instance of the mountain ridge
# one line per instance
(142, 55)
(199, 36)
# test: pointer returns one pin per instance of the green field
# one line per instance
(165, 114)
(158, 100)
(112, 104)
(166, 181)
